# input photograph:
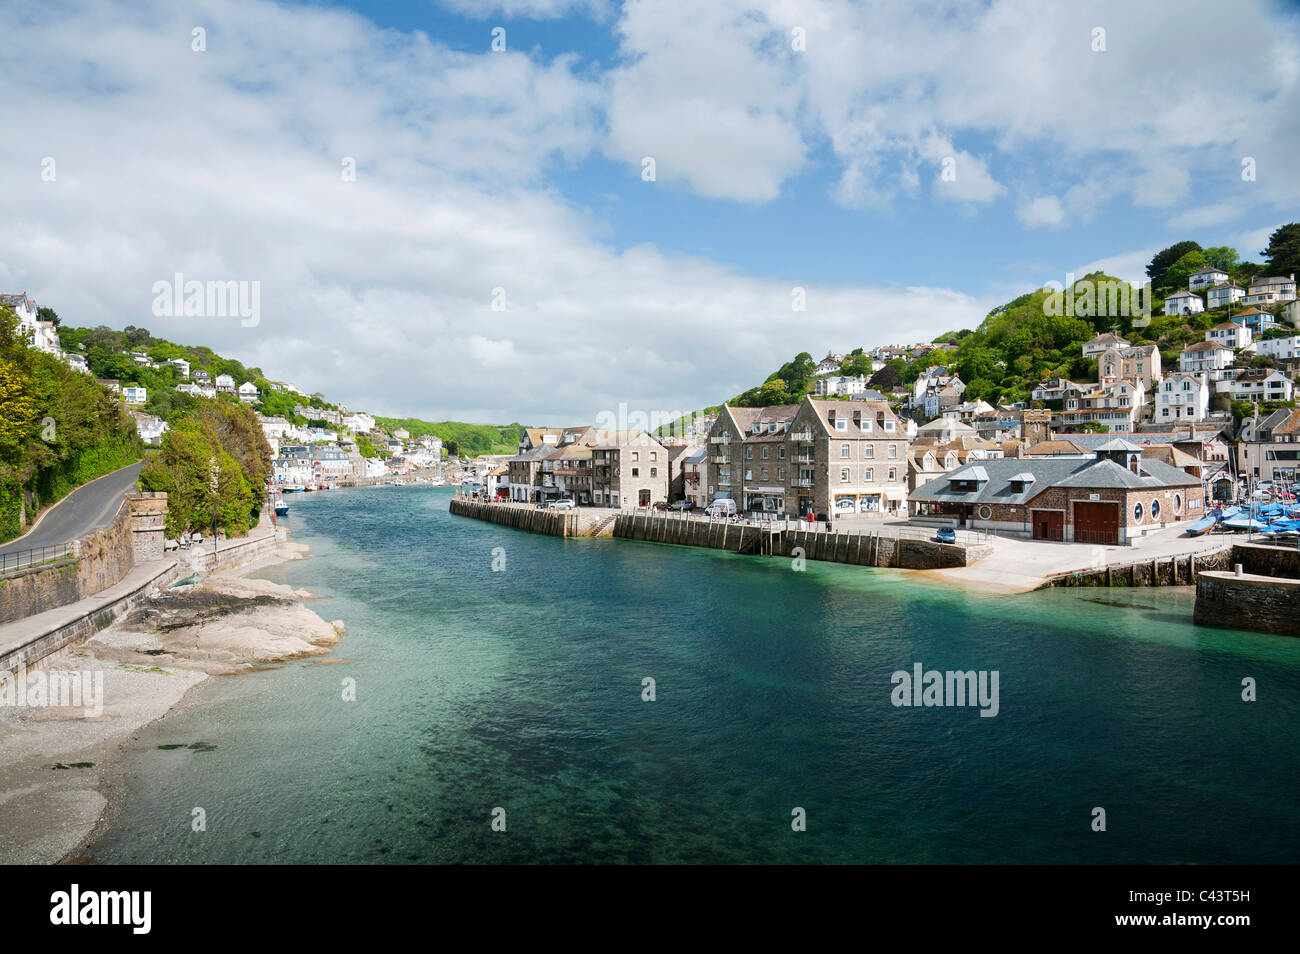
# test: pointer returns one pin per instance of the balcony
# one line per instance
(720, 439)
(801, 482)
(803, 437)
(804, 459)
(719, 459)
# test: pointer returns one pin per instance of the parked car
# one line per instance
(563, 504)
(945, 535)
(681, 505)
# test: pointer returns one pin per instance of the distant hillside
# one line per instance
(467, 440)
(108, 354)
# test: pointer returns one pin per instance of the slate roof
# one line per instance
(1101, 474)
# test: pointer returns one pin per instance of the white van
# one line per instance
(722, 507)
(563, 503)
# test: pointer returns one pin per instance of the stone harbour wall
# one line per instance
(1258, 603)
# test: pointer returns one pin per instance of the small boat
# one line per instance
(1204, 525)
(282, 510)
(1244, 522)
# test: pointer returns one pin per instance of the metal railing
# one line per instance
(35, 556)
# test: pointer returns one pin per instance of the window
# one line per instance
(868, 451)
(893, 473)
(889, 425)
(764, 453)
(653, 456)
(749, 453)
(636, 472)
(780, 473)
(844, 474)
(654, 471)
(868, 474)
(636, 455)
(1137, 512)
(780, 452)
(842, 424)
(893, 450)
(749, 474)
(762, 474)
(844, 450)
(1155, 510)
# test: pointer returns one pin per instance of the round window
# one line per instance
(1155, 510)
(986, 512)
(1137, 513)
(1178, 503)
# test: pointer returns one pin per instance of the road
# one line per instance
(87, 508)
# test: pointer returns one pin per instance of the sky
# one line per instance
(442, 229)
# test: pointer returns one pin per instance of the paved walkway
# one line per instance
(1017, 564)
(20, 632)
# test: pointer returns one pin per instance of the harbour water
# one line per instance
(521, 688)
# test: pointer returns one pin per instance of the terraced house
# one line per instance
(629, 469)
(842, 458)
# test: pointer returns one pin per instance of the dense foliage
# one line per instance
(218, 440)
(466, 440)
(59, 428)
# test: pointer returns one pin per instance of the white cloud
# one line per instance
(882, 84)
(226, 165)
(1044, 211)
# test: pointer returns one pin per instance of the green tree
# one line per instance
(1161, 261)
(1283, 252)
(1223, 258)
(183, 469)
(1180, 271)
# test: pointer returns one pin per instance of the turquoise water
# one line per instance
(522, 689)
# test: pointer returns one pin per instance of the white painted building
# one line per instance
(833, 384)
(1258, 384)
(1225, 293)
(1279, 348)
(1231, 334)
(134, 394)
(1205, 277)
(225, 383)
(1182, 398)
(248, 393)
(1184, 303)
(1209, 358)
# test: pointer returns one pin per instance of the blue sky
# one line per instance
(796, 142)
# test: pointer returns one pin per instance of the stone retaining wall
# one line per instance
(859, 549)
(520, 516)
(99, 561)
(1259, 603)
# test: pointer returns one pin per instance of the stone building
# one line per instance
(1106, 499)
(629, 469)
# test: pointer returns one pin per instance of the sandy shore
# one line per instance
(56, 780)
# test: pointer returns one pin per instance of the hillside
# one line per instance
(109, 354)
(459, 438)
(1039, 335)
(59, 429)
